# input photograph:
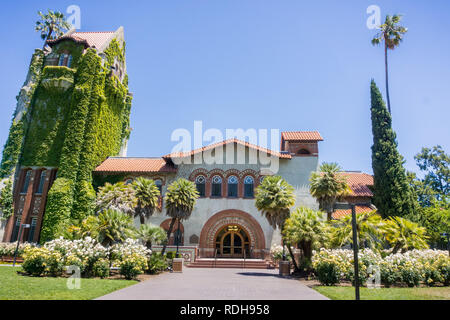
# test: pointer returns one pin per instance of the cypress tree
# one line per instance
(393, 195)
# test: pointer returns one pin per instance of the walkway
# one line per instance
(217, 284)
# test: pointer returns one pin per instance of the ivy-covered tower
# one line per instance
(72, 113)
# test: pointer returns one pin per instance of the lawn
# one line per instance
(348, 293)
(14, 286)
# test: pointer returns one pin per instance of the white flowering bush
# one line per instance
(410, 268)
(7, 249)
(121, 250)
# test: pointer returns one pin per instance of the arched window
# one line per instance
(128, 181)
(200, 183)
(65, 60)
(249, 183)
(233, 186)
(158, 183)
(216, 190)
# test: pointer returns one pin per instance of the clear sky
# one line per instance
(288, 65)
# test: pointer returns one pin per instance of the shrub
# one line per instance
(40, 261)
(132, 265)
(157, 263)
(328, 273)
(101, 268)
(171, 255)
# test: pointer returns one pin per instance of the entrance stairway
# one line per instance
(230, 263)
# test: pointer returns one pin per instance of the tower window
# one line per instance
(65, 60)
(303, 152)
(158, 183)
(41, 181)
(216, 186)
(26, 182)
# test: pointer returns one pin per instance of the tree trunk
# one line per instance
(296, 269)
(387, 76)
(48, 36)
(168, 235)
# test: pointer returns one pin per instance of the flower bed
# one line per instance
(94, 260)
(412, 268)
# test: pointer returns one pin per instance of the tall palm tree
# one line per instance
(151, 235)
(274, 197)
(306, 228)
(180, 200)
(403, 234)
(327, 186)
(51, 25)
(147, 196)
(114, 226)
(391, 34)
(368, 229)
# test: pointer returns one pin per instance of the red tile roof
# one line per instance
(117, 164)
(89, 39)
(301, 135)
(222, 143)
(338, 214)
(359, 183)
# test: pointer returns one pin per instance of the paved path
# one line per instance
(217, 284)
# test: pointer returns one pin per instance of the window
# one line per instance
(41, 181)
(158, 183)
(303, 152)
(216, 186)
(248, 187)
(26, 182)
(65, 60)
(32, 229)
(128, 181)
(16, 229)
(232, 187)
(200, 183)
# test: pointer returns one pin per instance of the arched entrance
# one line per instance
(228, 233)
(232, 241)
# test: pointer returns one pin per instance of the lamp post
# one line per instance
(21, 227)
(352, 206)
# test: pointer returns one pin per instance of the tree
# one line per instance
(368, 226)
(436, 165)
(436, 220)
(393, 195)
(306, 228)
(147, 196)
(404, 235)
(114, 226)
(51, 25)
(152, 234)
(274, 198)
(180, 199)
(424, 194)
(119, 196)
(327, 186)
(6, 198)
(391, 34)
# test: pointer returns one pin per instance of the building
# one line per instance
(72, 113)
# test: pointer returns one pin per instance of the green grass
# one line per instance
(14, 286)
(348, 293)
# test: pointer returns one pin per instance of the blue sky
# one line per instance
(288, 65)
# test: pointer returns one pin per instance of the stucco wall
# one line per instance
(296, 171)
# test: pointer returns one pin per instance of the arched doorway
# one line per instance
(232, 241)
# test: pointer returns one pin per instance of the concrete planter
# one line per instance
(177, 265)
(285, 268)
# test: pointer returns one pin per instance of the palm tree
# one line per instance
(152, 234)
(327, 186)
(114, 226)
(274, 197)
(180, 200)
(391, 34)
(51, 25)
(119, 196)
(403, 234)
(147, 196)
(368, 229)
(306, 228)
